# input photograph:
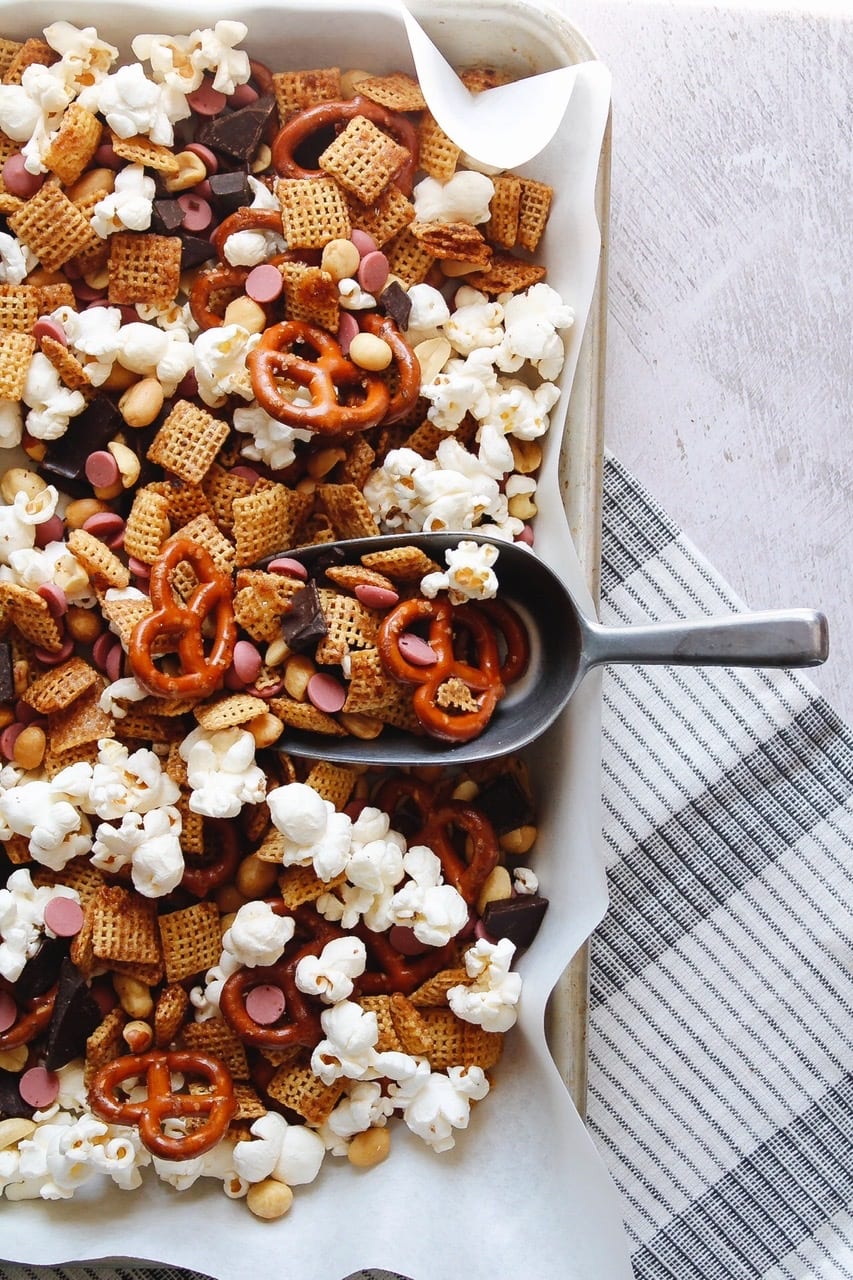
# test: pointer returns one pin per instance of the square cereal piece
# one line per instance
(401, 564)
(9, 49)
(506, 274)
(297, 1088)
(191, 940)
(24, 609)
(369, 684)
(186, 501)
(221, 487)
(20, 307)
(229, 710)
(502, 227)
(384, 216)
(123, 615)
(101, 564)
(78, 874)
(433, 992)
(51, 226)
(397, 92)
(363, 159)
(350, 576)
(59, 686)
(296, 90)
(313, 212)
(124, 927)
(17, 850)
(106, 1041)
(32, 51)
(437, 154)
(55, 761)
(358, 463)
(456, 1043)
(148, 525)
(349, 625)
(410, 1025)
(479, 79)
(302, 715)
(204, 533)
(333, 782)
(141, 150)
(265, 521)
(533, 212)
(214, 1036)
(261, 600)
(82, 722)
(143, 268)
(380, 1007)
(170, 1012)
(458, 241)
(74, 143)
(299, 885)
(348, 510)
(188, 441)
(310, 294)
(16, 351)
(72, 372)
(408, 257)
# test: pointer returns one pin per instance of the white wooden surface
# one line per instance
(730, 341)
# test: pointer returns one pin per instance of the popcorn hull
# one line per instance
(485, 1208)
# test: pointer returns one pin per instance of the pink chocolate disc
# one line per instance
(290, 568)
(404, 941)
(265, 1004)
(19, 181)
(57, 601)
(208, 158)
(364, 242)
(373, 272)
(373, 597)
(347, 330)
(44, 327)
(198, 214)
(102, 469)
(50, 530)
(247, 662)
(264, 283)
(9, 737)
(416, 650)
(104, 524)
(326, 693)
(205, 100)
(63, 916)
(39, 1087)
(8, 1011)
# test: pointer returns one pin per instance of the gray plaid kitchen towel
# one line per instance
(720, 1091)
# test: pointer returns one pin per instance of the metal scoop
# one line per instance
(565, 643)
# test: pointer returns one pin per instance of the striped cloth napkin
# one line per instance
(721, 1039)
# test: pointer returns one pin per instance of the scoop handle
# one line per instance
(775, 638)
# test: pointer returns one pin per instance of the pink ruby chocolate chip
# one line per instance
(102, 469)
(373, 597)
(264, 283)
(39, 1087)
(416, 650)
(265, 1004)
(326, 693)
(373, 272)
(8, 1011)
(63, 916)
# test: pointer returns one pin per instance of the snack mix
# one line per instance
(244, 310)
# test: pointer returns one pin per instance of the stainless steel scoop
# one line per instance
(565, 644)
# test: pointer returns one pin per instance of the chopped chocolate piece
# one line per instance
(64, 463)
(166, 216)
(304, 625)
(75, 1016)
(396, 303)
(12, 1105)
(7, 680)
(195, 250)
(230, 191)
(42, 970)
(238, 134)
(505, 804)
(515, 918)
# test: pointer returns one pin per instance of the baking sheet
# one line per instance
(469, 1211)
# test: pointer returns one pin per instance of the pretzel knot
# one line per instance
(217, 866)
(343, 398)
(481, 679)
(164, 1103)
(310, 122)
(33, 1017)
(468, 873)
(176, 627)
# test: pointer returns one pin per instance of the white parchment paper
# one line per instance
(524, 1192)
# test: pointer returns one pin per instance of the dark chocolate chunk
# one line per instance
(75, 1016)
(506, 804)
(230, 191)
(7, 680)
(41, 970)
(166, 216)
(396, 303)
(195, 250)
(305, 624)
(515, 918)
(64, 463)
(11, 1103)
(237, 134)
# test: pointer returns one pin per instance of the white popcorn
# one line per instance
(491, 999)
(48, 95)
(132, 104)
(52, 405)
(434, 1104)
(257, 935)
(84, 57)
(273, 442)
(93, 336)
(475, 322)
(314, 833)
(22, 926)
(127, 689)
(330, 975)
(220, 362)
(150, 842)
(469, 574)
(44, 814)
(290, 1153)
(520, 411)
(363, 1106)
(119, 783)
(11, 424)
(462, 387)
(128, 206)
(34, 566)
(251, 247)
(16, 259)
(181, 61)
(531, 321)
(205, 1000)
(349, 1047)
(428, 314)
(463, 198)
(167, 354)
(20, 114)
(434, 911)
(221, 771)
(352, 297)
(525, 880)
(217, 1163)
(19, 519)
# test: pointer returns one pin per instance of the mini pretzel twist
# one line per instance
(344, 398)
(163, 1102)
(392, 971)
(180, 624)
(222, 856)
(33, 1018)
(307, 123)
(406, 364)
(482, 679)
(467, 875)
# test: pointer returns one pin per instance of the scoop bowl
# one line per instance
(565, 644)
